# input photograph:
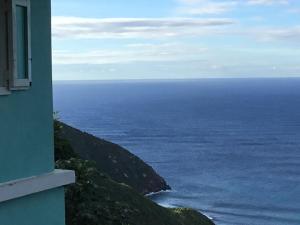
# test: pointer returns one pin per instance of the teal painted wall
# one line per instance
(45, 208)
(26, 130)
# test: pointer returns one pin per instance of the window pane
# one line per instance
(22, 56)
(2, 43)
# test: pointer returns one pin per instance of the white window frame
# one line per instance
(4, 71)
(4, 91)
(11, 80)
(16, 83)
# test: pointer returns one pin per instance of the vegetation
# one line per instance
(96, 199)
(63, 149)
(117, 162)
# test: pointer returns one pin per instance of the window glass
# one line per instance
(21, 39)
(2, 43)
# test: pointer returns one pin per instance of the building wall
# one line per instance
(26, 131)
(45, 208)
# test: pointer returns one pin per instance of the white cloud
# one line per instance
(191, 2)
(94, 28)
(268, 2)
(202, 7)
(131, 53)
(208, 8)
(289, 34)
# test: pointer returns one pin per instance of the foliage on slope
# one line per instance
(121, 165)
(96, 199)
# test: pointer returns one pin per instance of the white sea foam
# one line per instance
(209, 217)
(159, 192)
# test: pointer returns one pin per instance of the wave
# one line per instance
(159, 192)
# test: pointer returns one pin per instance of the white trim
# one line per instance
(23, 187)
(4, 91)
(19, 88)
(16, 83)
(3, 55)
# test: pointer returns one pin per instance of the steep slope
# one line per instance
(95, 199)
(117, 162)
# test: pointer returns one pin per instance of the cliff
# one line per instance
(115, 161)
(98, 199)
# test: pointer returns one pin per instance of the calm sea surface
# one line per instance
(229, 148)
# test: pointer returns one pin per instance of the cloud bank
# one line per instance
(167, 52)
(93, 28)
(268, 2)
(215, 7)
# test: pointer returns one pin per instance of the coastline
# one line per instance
(118, 201)
(114, 160)
(156, 194)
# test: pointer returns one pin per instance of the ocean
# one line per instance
(229, 148)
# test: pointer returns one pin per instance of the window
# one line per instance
(21, 76)
(3, 47)
(15, 42)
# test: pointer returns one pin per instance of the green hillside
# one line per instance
(114, 160)
(96, 199)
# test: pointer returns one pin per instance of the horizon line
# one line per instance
(178, 79)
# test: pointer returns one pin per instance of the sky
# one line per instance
(175, 39)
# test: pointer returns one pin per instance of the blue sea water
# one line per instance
(229, 148)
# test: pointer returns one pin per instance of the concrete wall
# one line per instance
(45, 208)
(26, 131)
